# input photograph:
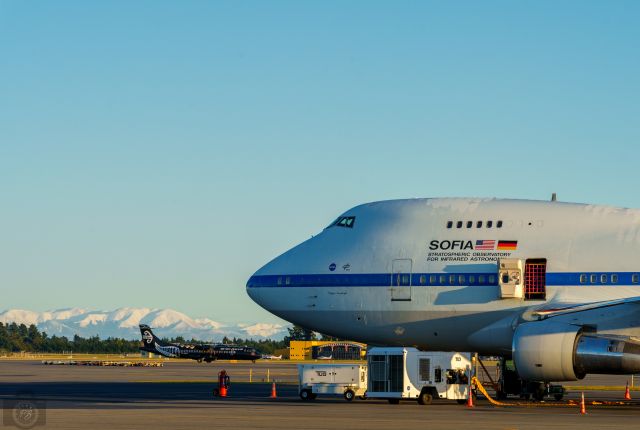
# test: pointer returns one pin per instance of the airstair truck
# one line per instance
(348, 380)
(408, 373)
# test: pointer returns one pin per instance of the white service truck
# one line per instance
(397, 373)
(348, 380)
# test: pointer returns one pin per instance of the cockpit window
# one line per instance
(344, 221)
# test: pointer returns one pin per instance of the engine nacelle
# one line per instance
(602, 354)
(544, 351)
(548, 351)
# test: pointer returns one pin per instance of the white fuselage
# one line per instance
(404, 273)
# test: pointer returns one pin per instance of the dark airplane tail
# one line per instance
(150, 342)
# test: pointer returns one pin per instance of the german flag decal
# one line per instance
(507, 245)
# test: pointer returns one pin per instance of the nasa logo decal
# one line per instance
(147, 337)
(332, 266)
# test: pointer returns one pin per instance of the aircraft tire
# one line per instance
(539, 393)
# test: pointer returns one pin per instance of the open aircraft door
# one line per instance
(510, 278)
(520, 279)
(401, 279)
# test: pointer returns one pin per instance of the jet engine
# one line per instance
(548, 351)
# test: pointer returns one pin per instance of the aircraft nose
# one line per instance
(260, 286)
(251, 289)
(254, 292)
(273, 285)
(265, 287)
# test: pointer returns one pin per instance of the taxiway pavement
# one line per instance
(179, 395)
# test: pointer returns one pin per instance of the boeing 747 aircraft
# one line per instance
(553, 285)
(199, 352)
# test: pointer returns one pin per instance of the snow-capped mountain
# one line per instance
(123, 323)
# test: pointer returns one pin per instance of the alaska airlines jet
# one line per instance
(553, 285)
(199, 352)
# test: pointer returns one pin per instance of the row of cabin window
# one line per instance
(482, 279)
(604, 278)
(479, 224)
(435, 279)
(457, 279)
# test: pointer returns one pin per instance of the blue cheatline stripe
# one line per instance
(434, 279)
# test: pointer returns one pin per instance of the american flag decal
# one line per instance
(485, 244)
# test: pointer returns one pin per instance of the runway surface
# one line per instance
(179, 396)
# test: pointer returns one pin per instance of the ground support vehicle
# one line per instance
(407, 373)
(348, 380)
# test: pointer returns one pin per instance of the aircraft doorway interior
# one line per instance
(535, 273)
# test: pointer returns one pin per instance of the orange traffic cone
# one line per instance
(273, 391)
(627, 394)
(583, 409)
(470, 399)
(223, 391)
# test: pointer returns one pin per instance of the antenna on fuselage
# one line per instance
(554, 197)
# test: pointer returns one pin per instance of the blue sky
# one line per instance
(157, 153)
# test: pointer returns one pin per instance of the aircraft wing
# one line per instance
(551, 310)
